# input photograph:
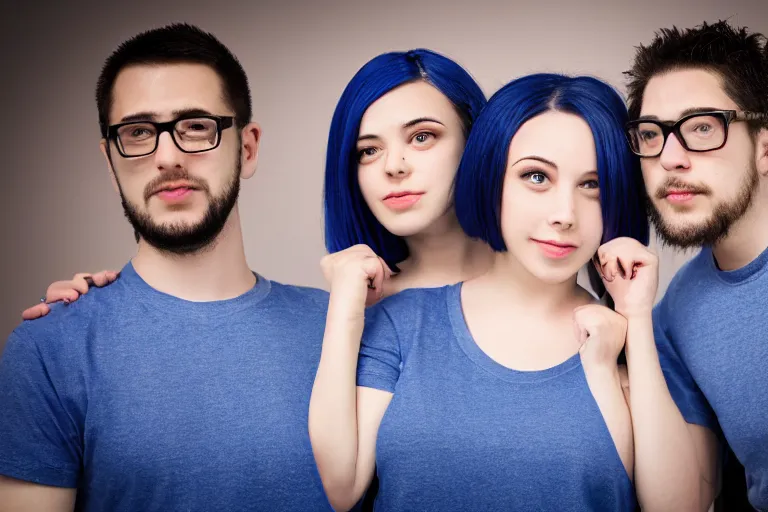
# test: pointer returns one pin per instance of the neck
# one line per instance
(445, 255)
(510, 282)
(748, 237)
(217, 272)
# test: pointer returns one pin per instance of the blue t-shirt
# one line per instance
(711, 331)
(143, 401)
(463, 432)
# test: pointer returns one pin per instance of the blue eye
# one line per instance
(423, 137)
(535, 177)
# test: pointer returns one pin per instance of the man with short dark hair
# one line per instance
(184, 385)
(698, 100)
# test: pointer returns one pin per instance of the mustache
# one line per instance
(679, 185)
(171, 176)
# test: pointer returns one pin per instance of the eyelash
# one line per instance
(527, 175)
(361, 151)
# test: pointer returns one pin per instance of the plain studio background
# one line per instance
(60, 214)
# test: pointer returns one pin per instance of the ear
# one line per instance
(249, 155)
(761, 152)
(104, 147)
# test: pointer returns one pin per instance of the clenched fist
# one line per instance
(630, 272)
(601, 334)
(356, 275)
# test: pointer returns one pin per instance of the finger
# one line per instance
(36, 311)
(624, 266)
(387, 271)
(61, 293)
(610, 268)
(378, 277)
(102, 278)
(80, 283)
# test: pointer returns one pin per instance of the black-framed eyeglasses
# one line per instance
(699, 132)
(194, 134)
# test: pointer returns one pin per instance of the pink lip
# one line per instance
(402, 200)
(175, 194)
(679, 196)
(555, 250)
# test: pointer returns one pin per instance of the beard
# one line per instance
(184, 239)
(712, 230)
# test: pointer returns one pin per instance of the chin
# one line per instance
(408, 226)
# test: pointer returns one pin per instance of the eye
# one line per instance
(591, 184)
(535, 177)
(703, 128)
(366, 154)
(647, 135)
(423, 137)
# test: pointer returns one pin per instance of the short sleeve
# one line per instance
(378, 365)
(685, 392)
(39, 440)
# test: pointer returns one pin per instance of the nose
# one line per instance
(563, 211)
(674, 156)
(396, 165)
(167, 155)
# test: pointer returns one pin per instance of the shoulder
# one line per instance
(295, 297)
(409, 307)
(65, 324)
(690, 273)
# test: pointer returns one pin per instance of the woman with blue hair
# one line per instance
(396, 139)
(479, 395)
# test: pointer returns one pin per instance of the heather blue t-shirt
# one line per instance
(463, 432)
(711, 331)
(143, 401)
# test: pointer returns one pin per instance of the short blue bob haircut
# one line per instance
(348, 220)
(481, 173)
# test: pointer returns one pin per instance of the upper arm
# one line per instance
(39, 425)
(371, 406)
(378, 370)
(21, 496)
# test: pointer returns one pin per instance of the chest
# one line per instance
(224, 404)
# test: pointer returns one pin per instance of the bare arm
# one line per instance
(344, 419)
(675, 463)
(21, 496)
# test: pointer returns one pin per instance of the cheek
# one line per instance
(591, 223)
(368, 183)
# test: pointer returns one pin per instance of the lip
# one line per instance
(402, 200)
(680, 196)
(554, 249)
(175, 191)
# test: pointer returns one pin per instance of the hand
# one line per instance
(69, 291)
(601, 334)
(357, 274)
(630, 272)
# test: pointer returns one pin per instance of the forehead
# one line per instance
(405, 103)
(563, 138)
(667, 95)
(164, 88)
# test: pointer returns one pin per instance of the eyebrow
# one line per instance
(153, 116)
(409, 124)
(686, 112)
(538, 158)
(548, 162)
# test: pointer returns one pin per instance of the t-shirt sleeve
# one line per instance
(39, 438)
(685, 392)
(378, 365)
